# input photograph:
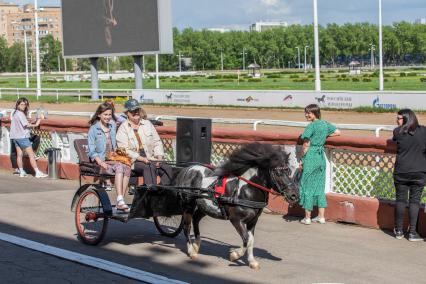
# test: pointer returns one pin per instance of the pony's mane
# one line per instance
(254, 155)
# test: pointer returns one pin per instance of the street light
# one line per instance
(381, 87)
(27, 81)
(316, 47)
(180, 61)
(37, 49)
(244, 58)
(372, 49)
(298, 55)
(221, 58)
(304, 66)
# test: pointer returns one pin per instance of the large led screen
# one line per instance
(93, 28)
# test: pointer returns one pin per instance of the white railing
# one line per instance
(255, 122)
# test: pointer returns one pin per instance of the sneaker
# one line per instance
(108, 187)
(318, 220)
(306, 221)
(414, 237)
(40, 175)
(22, 174)
(399, 234)
(16, 172)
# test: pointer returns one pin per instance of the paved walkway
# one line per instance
(288, 251)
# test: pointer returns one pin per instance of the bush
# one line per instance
(394, 79)
(275, 80)
(225, 80)
(214, 77)
(311, 76)
(295, 76)
(302, 80)
(182, 81)
(322, 76)
(230, 76)
(423, 80)
(354, 79)
(254, 80)
(402, 74)
(366, 80)
(385, 80)
(274, 76)
(339, 79)
(343, 76)
(196, 81)
(412, 74)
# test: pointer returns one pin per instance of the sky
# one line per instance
(239, 14)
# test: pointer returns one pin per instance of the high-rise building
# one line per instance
(264, 26)
(421, 21)
(22, 21)
(6, 9)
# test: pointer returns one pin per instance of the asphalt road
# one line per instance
(288, 252)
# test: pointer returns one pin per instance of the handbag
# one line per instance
(119, 155)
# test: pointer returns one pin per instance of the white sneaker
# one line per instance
(22, 174)
(318, 220)
(40, 175)
(306, 221)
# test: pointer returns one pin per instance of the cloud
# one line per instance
(270, 3)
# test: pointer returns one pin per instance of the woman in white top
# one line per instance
(20, 130)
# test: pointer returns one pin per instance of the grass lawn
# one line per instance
(270, 81)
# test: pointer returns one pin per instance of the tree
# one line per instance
(50, 51)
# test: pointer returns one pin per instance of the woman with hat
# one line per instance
(143, 144)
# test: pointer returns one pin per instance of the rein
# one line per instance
(269, 190)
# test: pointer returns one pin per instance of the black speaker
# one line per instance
(193, 140)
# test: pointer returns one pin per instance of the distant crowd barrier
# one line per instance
(359, 171)
(247, 98)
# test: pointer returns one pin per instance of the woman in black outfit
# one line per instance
(410, 170)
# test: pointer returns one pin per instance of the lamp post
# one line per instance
(304, 66)
(372, 49)
(180, 61)
(316, 47)
(244, 58)
(381, 87)
(27, 80)
(37, 49)
(157, 74)
(221, 58)
(298, 56)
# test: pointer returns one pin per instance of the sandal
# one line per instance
(121, 205)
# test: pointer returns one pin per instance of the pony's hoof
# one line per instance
(233, 256)
(194, 256)
(254, 265)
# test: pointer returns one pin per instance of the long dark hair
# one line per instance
(409, 121)
(315, 109)
(101, 109)
(19, 101)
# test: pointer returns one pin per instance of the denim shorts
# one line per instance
(22, 143)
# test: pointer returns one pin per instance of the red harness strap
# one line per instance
(271, 191)
(219, 188)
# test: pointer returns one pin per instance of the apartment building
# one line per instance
(6, 9)
(23, 21)
(264, 26)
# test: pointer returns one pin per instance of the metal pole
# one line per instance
(304, 66)
(221, 58)
(316, 46)
(143, 64)
(65, 66)
(27, 80)
(180, 62)
(298, 55)
(37, 49)
(138, 71)
(381, 87)
(107, 62)
(244, 58)
(59, 63)
(157, 75)
(94, 78)
(31, 62)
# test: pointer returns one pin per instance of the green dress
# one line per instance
(312, 184)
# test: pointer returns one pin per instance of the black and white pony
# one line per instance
(251, 172)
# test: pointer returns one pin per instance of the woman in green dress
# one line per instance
(312, 184)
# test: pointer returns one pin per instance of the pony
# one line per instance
(250, 173)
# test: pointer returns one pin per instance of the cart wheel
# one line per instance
(90, 219)
(169, 226)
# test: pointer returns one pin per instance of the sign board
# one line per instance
(98, 28)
